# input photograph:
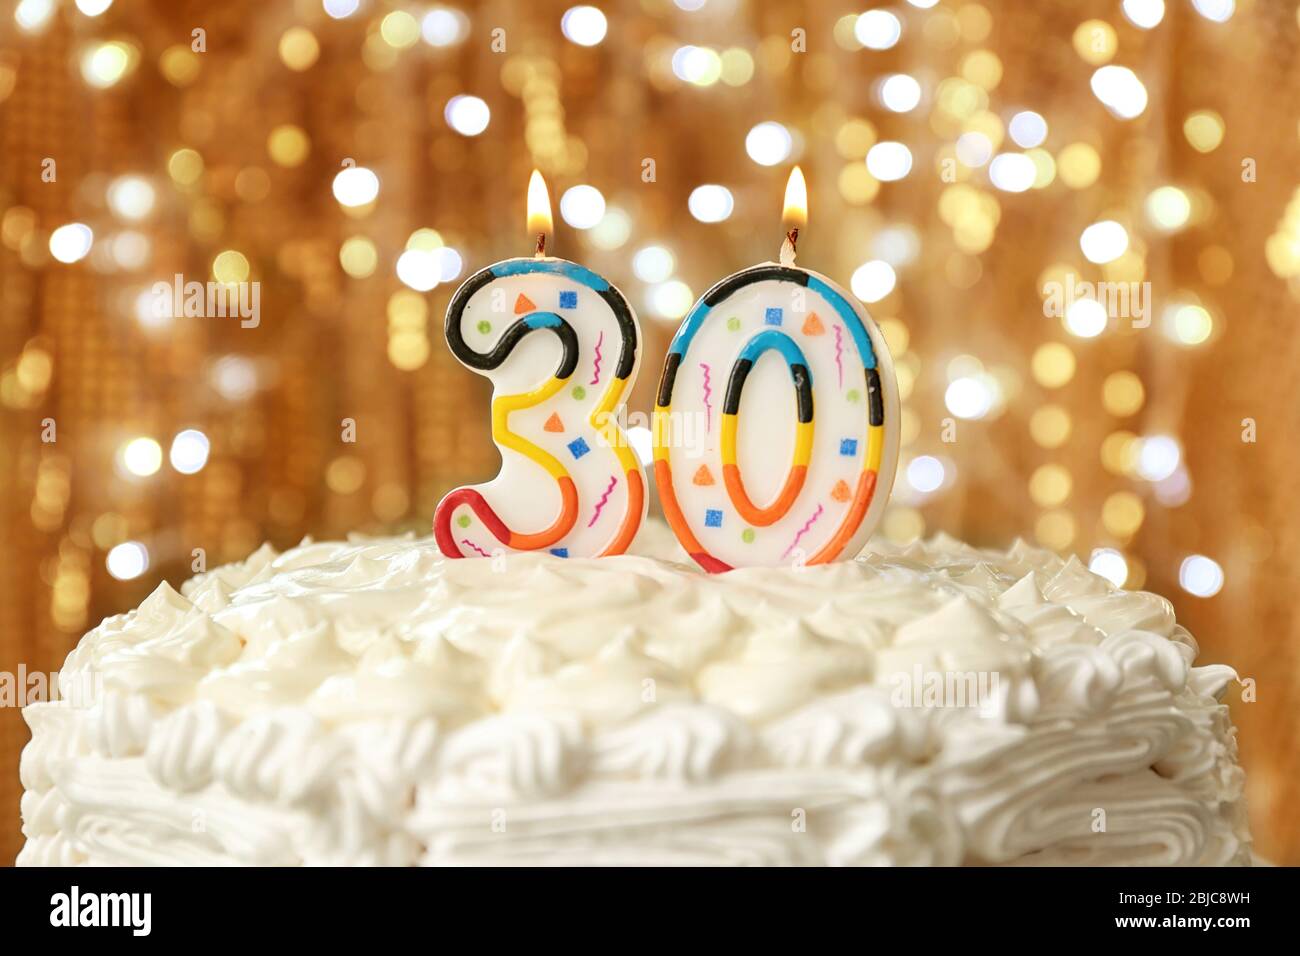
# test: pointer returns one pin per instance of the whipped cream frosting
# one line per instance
(371, 702)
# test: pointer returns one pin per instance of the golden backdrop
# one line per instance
(967, 162)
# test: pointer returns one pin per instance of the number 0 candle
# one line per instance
(776, 424)
(561, 347)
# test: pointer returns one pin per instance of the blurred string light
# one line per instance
(711, 203)
(873, 280)
(1103, 241)
(400, 30)
(653, 264)
(671, 299)
(1012, 172)
(140, 457)
(93, 8)
(1085, 318)
(189, 451)
(104, 64)
(1109, 564)
(698, 65)
(1120, 91)
(1188, 323)
(356, 186)
(889, 161)
(1158, 457)
(613, 230)
(1168, 208)
(444, 26)
(32, 16)
(71, 242)
(1145, 14)
(899, 93)
(467, 115)
(341, 9)
(1204, 130)
(1200, 576)
(769, 144)
(1027, 129)
(969, 397)
(131, 197)
(127, 561)
(974, 149)
(925, 474)
(1220, 11)
(878, 29)
(582, 207)
(585, 26)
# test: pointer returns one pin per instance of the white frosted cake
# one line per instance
(372, 702)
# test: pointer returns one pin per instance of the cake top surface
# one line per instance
(390, 628)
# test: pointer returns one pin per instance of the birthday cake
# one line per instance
(372, 702)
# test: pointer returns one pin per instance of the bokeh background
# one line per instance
(133, 148)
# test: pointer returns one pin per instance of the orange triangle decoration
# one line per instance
(813, 325)
(553, 424)
(841, 491)
(524, 304)
(703, 476)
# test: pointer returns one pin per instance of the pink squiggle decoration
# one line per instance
(596, 378)
(802, 531)
(475, 547)
(603, 498)
(708, 394)
(839, 352)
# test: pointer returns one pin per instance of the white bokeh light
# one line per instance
(968, 397)
(93, 8)
(613, 231)
(711, 203)
(585, 26)
(671, 299)
(1120, 90)
(889, 161)
(127, 560)
(900, 93)
(1220, 11)
(643, 443)
(467, 115)
(443, 26)
(873, 280)
(1158, 457)
(1086, 318)
(189, 451)
(974, 149)
(1028, 129)
(1109, 564)
(877, 29)
(925, 473)
(582, 207)
(1104, 241)
(1012, 172)
(131, 197)
(141, 457)
(653, 264)
(1200, 575)
(698, 65)
(32, 16)
(769, 144)
(421, 269)
(356, 186)
(71, 242)
(450, 263)
(1144, 13)
(341, 9)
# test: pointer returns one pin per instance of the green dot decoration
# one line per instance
(485, 326)
(579, 392)
(747, 536)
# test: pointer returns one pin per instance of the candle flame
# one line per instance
(539, 206)
(795, 214)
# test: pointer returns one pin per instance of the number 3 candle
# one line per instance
(561, 347)
(788, 383)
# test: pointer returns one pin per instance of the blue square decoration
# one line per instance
(568, 299)
(578, 447)
(772, 316)
(848, 446)
(713, 518)
(560, 552)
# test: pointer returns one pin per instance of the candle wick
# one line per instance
(789, 246)
(541, 245)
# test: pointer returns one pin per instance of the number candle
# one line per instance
(787, 381)
(561, 347)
